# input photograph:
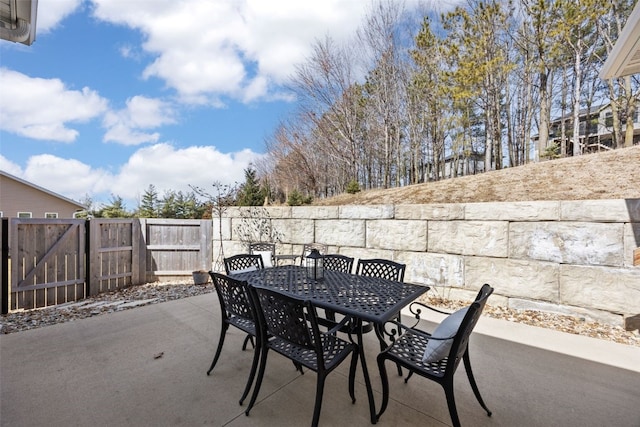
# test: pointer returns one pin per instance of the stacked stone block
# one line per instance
(571, 257)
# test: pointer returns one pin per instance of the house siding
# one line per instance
(17, 196)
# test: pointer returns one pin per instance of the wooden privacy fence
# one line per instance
(53, 261)
(176, 247)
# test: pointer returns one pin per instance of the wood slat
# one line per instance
(48, 256)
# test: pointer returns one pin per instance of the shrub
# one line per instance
(353, 187)
(297, 199)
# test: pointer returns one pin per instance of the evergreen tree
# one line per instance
(251, 194)
(115, 209)
(187, 206)
(149, 204)
(296, 198)
(168, 205)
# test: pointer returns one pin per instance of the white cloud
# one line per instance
(68, 177)
(9, 167)
(27, 109)
(52, 12)
(125, 126)
(162, 165)
(240, 49)
(169, 168)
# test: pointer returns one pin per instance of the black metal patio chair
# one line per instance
(289, 326)
(436, 356)
(343, 264)
(308, 247)
(382, 268)
(237, 310)
(336, 262)
(243, 262)
(267, 250)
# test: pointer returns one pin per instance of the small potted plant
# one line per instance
(200, 277)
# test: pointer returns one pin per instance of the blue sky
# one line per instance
(115, 95)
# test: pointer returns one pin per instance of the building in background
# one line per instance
(22, 199)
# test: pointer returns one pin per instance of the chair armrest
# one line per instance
(345, 326)
(338, 326)
(394, 329)
(287, 257)
(416, 309)
(292, 258)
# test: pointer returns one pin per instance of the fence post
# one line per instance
(87, 258)
(4, 286)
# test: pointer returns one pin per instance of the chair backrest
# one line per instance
(382, 268)
(307, 247)
(461, 340)
(267, 250)
(234, 297)
(335, 262)
(243, 262)
(289, 318)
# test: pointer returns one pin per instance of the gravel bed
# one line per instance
(110, 302)
(558, 322)
(153, 293)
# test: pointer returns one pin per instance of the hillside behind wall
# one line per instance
(572, 257)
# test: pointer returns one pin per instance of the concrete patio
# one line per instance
(146, 367)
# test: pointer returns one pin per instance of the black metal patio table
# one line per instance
(368, 299)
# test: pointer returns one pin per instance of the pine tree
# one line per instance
(251, 194)
(168, 205)
(149, 204)
(115, 209)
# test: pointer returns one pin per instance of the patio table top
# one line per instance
(368, 298)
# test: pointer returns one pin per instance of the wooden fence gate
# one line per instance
(47, 261)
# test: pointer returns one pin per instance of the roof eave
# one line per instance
(624, 58)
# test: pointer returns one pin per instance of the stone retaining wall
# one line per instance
(572, 257)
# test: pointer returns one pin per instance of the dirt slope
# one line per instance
(608, 175)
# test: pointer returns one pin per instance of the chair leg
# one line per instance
(252, 373)
(451, 402)
(399, 369)
(318, 405)
(256, 388)
(397, 364)
(223, 332)
(352, 375)
(406, 380)
(385, 385)
(472, 381)
(248, 339)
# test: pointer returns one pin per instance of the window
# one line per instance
(608, 119)
(51, 214)
(24, 215)
(581, 128)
